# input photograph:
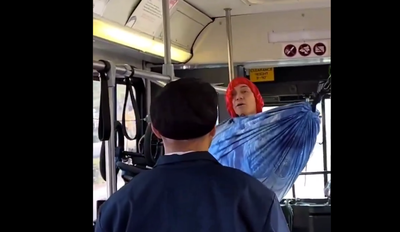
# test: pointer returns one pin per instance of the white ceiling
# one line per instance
(215, 8)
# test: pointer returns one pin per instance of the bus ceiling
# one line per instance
(264, 32)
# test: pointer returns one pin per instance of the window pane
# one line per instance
(310, 186)
(98, 182)
(99, 185)
(130, 145)
(289, 194)
(328, 131)
(316, 161)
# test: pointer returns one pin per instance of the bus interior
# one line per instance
(283, 47)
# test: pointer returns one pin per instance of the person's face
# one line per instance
(243, 100)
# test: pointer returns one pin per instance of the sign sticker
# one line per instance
(262, 75)
(290, 50)
(319, 49)
(305, 49)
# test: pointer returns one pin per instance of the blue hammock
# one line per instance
(272, 146)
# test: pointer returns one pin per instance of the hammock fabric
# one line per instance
(272, 146)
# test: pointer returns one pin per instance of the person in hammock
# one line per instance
(273, 147)
(243, 98)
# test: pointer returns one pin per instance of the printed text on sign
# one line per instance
(262, 75)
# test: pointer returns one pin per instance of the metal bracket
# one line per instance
(111, 74)
(129, 70)
(168, 70)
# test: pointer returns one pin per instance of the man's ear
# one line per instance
(155, 132)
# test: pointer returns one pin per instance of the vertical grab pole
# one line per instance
(148, 95)
(324, 145)
(230, 44)
(168, 68)
(147, 83)
(111, 175)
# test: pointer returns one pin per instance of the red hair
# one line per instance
(229, 96)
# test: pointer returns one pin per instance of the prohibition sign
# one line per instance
(290, 50)
(305, 49)
(319, 49)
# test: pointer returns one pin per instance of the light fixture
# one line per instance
(128, 37)
(298, 36)
(255, 2)
(288, 63)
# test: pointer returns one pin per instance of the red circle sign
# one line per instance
(290, 50)
(319, 49)
(305, 50)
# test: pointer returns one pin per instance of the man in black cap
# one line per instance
(188, 190)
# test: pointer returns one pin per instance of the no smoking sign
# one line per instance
(290, 50)
(305, 49)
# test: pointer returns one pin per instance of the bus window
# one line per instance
(328, 132)
(289, 194)
(312, 186)
(99, 185)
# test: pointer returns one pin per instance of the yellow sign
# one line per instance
(262, 75)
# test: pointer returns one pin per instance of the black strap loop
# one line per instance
(129, 93)
(104, 130)
(119, 149)
(324, 87)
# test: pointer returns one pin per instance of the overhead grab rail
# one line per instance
(122, 71)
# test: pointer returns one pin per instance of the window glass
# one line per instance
(289, 194)
(316, 161)
(310, 186)
(328, 131)
(99, 185)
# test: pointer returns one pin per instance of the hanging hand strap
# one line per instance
(129, 93)
(104, 130)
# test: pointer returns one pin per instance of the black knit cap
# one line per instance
(185, 109)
